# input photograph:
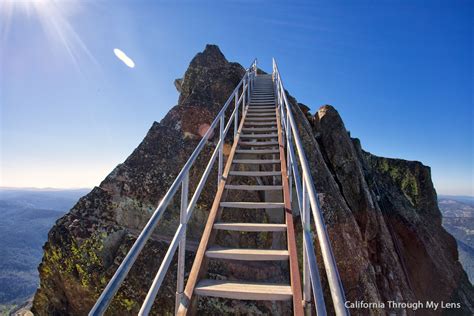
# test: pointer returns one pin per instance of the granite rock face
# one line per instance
(381, 213)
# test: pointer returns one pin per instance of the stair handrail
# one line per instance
(186, 207)
(308, 201)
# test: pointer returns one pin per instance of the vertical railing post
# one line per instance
(305, 216)
(249, 84)
(236, 116)
(182, 243)
(221, 149)
(244, 92)
(288, 140)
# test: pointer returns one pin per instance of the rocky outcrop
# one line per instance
(381, 213)
(406, 254)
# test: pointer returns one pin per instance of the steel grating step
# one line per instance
(240, 290)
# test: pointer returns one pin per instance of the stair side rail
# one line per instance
(309, 205)
(240, 97)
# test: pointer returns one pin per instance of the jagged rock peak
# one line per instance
(210, 57)
(203, 84)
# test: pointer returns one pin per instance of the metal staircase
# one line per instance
(258, 150)
(262, 163)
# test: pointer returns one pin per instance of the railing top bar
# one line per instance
(122, 271)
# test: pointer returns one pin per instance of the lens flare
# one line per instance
(124, 58)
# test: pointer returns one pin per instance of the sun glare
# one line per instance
(53, 16)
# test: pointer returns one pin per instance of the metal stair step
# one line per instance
(258, 144)
(259, 136)
(256, 129)
(260, 119)
(256, 161)
(265, 110)
(254, 115)
(217, 252)
(250, 227)
(240, 290)
(255, 205)
(261, 107)
(251, 114)
(272, 101)
(255, 173)
(259, 123)
(260, 111)
(245, 187)
(258, 151)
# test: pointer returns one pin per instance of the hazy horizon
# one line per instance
(440, 195)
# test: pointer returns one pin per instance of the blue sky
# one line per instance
(399, 72)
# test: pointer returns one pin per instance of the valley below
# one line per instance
(26, 216)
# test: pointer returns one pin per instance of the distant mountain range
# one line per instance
(458, 220)
(26, 216)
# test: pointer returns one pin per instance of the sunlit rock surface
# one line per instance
(382, 217)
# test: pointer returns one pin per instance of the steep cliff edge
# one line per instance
(381, 213)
